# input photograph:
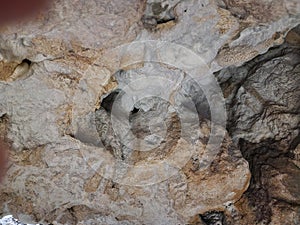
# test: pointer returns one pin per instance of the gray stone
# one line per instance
(68, 164)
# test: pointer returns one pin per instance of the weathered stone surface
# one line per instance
(59, 72)
(262, 97)
(223, 33)
(268, 99)
(65, 167)
(10, 220)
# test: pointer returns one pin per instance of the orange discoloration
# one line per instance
(3, 158)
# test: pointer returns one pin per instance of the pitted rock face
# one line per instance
(268, 99)
(262, 97)
(59, 87)
(153, 120)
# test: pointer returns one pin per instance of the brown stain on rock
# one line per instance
(16, 204)
(28, 157)
(226, 21)
(92, 184)
(7, 69)
(293, 38)
(230, 56)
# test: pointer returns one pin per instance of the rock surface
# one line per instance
(10, 220)
(262, 97)
(114, 116)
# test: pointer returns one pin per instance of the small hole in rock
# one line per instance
(134, 110)
(27, 61)
(108, 101)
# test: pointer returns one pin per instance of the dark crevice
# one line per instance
(256, 193)
(213, 218)
(135, 110)
(4, 123)
(108, 101)
(161, 21)
(294, 143)
(27, 61)
(72, 213)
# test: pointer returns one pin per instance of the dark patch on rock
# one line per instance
(213, 218)
(262, 98)
(156, 13)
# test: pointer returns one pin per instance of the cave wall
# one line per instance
(152, 112)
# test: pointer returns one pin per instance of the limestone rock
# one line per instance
(10, 220)
(262, 98)
(61, 82)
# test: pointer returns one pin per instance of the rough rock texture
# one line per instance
(172, 162)
(10, 220)
(263, 100)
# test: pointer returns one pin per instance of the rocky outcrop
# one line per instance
(264, 120)
(114, 115)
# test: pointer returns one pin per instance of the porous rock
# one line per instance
(56, 73)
